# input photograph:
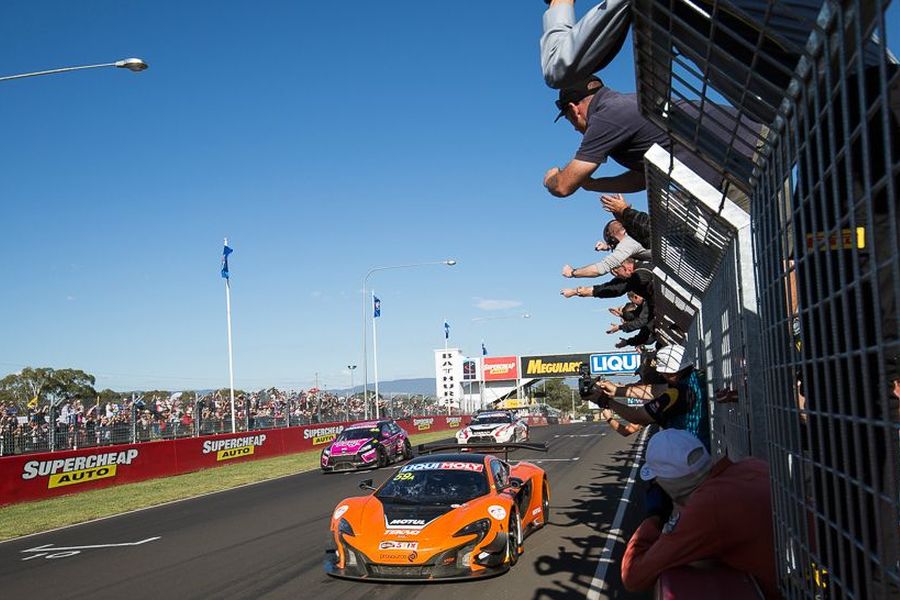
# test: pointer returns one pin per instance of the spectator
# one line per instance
(612, 127)
(623, 246)
(680, 403)
(723, 512)
(636, 222)
(636, 315)
(629, 277)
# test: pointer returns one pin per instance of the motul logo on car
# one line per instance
(403, 522)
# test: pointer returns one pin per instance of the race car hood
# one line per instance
(414, 534)
(348, 446)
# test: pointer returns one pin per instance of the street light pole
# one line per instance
(351, 368)
(135, 65)
(449, 262)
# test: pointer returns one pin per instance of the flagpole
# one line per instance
(481, 387)
(375, 354)
(230, 353)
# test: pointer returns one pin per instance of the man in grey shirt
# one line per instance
(622, 245)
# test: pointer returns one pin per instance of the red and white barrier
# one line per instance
(48, 474)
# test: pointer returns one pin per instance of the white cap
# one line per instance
(674, 453)
(671, 359)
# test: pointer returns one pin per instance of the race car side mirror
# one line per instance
(366, 484)
(515, 483)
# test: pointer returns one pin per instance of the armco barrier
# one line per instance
(39, 476)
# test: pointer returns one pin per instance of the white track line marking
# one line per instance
(543, 460)
(598, 583)
(52, 548)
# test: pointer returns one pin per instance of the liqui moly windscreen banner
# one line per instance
(500, 368)
(47, 474)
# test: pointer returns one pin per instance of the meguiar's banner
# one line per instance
(552, 365)
(37, 476)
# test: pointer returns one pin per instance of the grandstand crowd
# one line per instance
(80, 423)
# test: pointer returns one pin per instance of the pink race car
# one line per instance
(367, 445)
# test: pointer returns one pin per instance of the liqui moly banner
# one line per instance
(615, 363)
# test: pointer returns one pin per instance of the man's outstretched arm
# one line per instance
(628, 182)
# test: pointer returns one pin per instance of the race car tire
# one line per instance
(545, 503)
(407, 450)
(382, 458)
(514, 537)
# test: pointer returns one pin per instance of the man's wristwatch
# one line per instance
(572, 274)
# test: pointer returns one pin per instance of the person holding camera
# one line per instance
(679, 403)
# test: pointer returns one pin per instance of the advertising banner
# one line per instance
(500, 368)
(47, 474)
(553, 365)
(615, 363)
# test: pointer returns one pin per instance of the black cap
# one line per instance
(575, 93)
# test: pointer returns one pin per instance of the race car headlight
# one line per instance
(344, 527)
(327, 451)
(479, 527)
(366, 447)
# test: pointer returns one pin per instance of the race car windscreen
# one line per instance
(491, 419)
(358, 434)
(438, 483)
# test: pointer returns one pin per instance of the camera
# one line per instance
(586, 388)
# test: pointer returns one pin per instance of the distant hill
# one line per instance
(422, 385)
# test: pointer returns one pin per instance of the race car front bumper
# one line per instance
(444, 566)
(350, 462)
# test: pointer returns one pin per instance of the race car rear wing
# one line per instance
(483, 448)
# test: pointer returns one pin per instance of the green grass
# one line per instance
(32, 517)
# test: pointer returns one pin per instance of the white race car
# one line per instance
(495, 427)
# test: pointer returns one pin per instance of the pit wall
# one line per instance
(48, 474)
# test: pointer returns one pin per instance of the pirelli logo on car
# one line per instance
(78, 469)
(234, 447)
(554, 365)
(322, 435)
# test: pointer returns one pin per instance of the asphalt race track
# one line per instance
(267, 540)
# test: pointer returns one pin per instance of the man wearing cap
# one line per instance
(680, 403)
(613, 127)
(722, 512)
(623, 246)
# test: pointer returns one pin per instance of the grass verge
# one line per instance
(32, 517)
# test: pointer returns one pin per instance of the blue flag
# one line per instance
(225, 254)
(483, 349)
(376, 305)
(446, 330)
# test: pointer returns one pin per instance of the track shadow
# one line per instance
(571, 570)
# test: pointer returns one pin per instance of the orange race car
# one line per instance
(459, 515)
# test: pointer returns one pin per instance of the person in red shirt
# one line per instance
(722, 512)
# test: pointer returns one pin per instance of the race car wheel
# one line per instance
(382, 458)
(514, 537)
(545, 503)
(407, 450)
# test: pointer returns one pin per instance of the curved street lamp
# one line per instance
(448, 262)
(135, 65)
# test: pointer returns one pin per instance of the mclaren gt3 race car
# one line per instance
(440, 517)
(365, 446)
(494, 427)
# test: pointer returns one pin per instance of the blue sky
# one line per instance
(323, 139)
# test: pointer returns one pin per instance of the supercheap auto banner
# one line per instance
(48, 474)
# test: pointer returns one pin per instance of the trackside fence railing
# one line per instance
(796, 104)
